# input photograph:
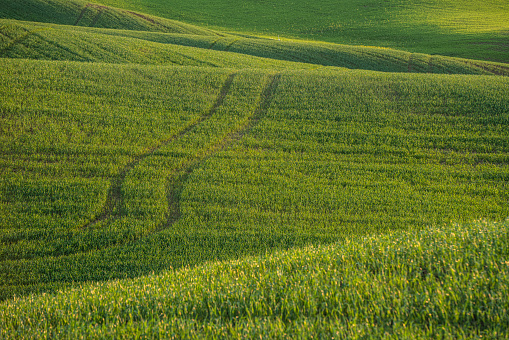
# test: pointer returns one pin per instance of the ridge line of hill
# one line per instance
(78, 13)
(104, 45)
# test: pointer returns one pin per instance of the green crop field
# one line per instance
(177, 171)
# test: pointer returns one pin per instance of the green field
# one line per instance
(140, 155)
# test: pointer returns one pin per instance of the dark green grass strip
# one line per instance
(59, 46)
(83, 11)
(18, 40)
(152, 21)
(214, 43)
(196, 60)
(146, 18)
(96, 18)
(430, 64)
(230, 45)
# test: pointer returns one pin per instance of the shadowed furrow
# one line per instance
(19, 39)
(174, 185)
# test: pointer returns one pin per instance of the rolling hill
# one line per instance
(158, 150)
(63, 42)
(404, 285)
(458, 28)
(85, 14)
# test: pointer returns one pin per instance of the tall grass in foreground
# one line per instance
(450, 282)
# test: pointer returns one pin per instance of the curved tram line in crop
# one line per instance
(176, 181)
(100, 9)
(18, 40)
(111, 209)
(181, 175)
(114, 197)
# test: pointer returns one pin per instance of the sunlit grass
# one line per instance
(462, 28)
(447, 282)
(141, 171)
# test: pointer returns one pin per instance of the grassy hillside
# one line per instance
(84, 13)
(459, 28)
(25, 40)
(118, 171)
(60, 42)
(449, 282)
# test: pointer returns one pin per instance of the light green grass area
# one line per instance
(160, 179)
(441, 282)
(362, 151)
(227, 163)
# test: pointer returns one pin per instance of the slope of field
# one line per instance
(447, 282)
(84, 13)
(59, 42)
(133, 145)
(118, 171)
(25, 40)
(459, 28)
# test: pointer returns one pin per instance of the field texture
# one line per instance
(237, 185)
(62, 42)
(228, 163)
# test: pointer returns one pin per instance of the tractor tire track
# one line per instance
(100, 8)
(162, 27)
(180, 176)
(214, 43)
(83, 11)
(430, 64)
(177, 180)
(266, 99)
(96, 18)
(114, 195)
(227, 48)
